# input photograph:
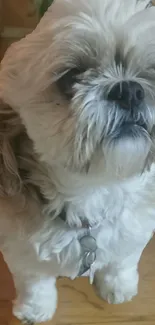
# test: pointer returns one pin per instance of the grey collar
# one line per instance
(85, 223)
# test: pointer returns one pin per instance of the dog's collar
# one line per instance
(84, 223)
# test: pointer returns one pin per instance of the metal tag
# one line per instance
(83, 269)
(89, 247)
(87, 261)
(88, 244)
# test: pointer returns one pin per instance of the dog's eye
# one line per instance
(67, 81)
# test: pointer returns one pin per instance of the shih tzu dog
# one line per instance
(77, 151)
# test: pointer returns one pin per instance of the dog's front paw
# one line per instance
(31, 315)
(32, 312)
(116, 289)
(113, 295)
(27, 322)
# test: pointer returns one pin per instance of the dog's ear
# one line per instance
(10, 128)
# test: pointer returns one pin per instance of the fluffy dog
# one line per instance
(77, 151)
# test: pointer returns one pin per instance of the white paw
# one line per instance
(31, 311)
(116, 289)
(113, 296)
(36, 300)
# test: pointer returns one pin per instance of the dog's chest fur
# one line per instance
(111, 212)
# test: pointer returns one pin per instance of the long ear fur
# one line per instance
(16, 154)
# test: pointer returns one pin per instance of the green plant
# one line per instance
(42, 6)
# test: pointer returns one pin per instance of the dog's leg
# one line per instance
(118, 281)
(36, 298)
(35, 286)
(117, 286)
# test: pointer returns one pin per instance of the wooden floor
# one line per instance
(79, 305)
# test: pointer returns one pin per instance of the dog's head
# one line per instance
(84, 84)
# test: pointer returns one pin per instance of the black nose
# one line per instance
(127, 94)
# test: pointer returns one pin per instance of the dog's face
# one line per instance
(86, 79)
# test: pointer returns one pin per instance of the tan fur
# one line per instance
(20, 199)
(17, 157)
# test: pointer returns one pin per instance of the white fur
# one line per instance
(117, 192)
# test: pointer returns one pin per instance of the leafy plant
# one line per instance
(42, 6)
